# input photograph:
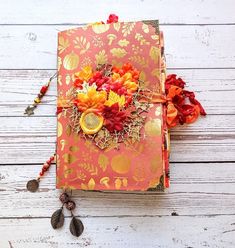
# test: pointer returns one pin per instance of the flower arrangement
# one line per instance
(106, 104)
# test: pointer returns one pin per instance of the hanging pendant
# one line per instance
(32, 185)
(76, 227)
(57, 218)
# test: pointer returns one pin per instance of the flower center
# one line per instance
(91, 122)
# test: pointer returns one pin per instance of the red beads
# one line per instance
(44, 89)
(30, 109)
(46, 166)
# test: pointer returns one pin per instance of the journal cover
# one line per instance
(111, 126)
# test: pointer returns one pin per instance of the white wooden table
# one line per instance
(200, 46)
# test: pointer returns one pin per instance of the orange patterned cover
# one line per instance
(142, 166)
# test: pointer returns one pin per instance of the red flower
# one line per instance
(112, 18)
(172, 80)
(78, 83)
(99, 79)
(182, 107)
(114, 118)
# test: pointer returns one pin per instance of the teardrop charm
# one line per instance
(57, 219)
(76, 227)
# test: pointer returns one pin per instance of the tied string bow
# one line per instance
(181, 105)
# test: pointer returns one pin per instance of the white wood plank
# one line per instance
(203, 194)
(214, 88)
(27, 139)
(196, 189)
(148, 232)
(167, 11)
(35, 47)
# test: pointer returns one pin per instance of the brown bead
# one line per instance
(64, 198)
(70, 205)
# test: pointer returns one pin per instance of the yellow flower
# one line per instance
(127, 76)
(130, 86)
(115, 98)
(91, 100)
(85, 74)
(116, 76)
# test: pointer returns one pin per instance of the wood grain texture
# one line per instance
(76, 12)
(32, 139)
(214, 88)
(115, 232)
(199, 40)
(38, 46)
(191, 194)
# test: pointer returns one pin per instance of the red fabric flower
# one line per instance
(99, 79)
(114, 118)
(112, 18)
(172, 80)
(182, 107)
(78, 83)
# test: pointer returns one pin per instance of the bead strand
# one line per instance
(30, 109)
(32, 185)
(46, 167)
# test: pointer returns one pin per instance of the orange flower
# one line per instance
(126, 80)
(130, 86)
(127, 68)
(116, 76)
(172, 113)
(182, 107)
(84, 75)
(93, 100)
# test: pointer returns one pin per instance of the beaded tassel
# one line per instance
(33, 184)
(30, 109)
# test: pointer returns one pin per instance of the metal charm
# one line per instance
(57, 218)
(29, 110)
(32, 185)
(76, 227)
